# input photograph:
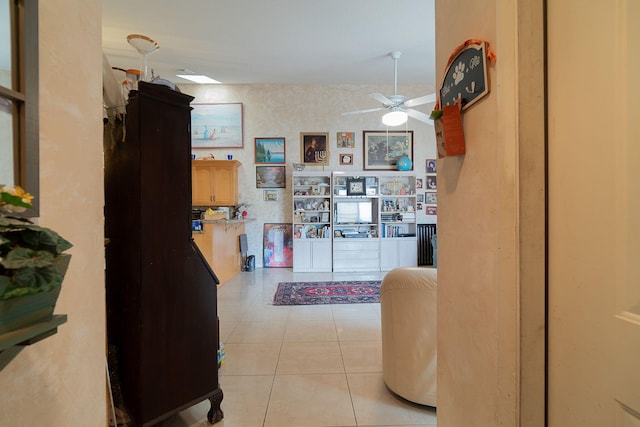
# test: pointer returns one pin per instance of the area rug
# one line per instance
(344, 292)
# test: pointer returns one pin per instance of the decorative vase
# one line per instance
(16, 313)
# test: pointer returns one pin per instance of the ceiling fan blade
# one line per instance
(364, 111)
(418, 115)
(420, 100)
(381, 98)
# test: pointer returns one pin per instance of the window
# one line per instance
(19, 96)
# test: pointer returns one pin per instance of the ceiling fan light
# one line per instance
(394, 118)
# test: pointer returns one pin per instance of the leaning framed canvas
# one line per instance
(314, 147)
(382, 149)
(277, 245)
(271, 177)
(217, 125)
(270, 150)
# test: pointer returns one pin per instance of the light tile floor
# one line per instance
(300, 366)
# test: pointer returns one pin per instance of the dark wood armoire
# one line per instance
(161, 293)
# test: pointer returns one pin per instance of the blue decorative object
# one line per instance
(404, 164)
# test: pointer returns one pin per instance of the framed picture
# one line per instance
(419, 198)
(431, 210)
(431, 198)
(418, 183)
(432, 182)
(346, 139)
(277, 245)
(270, 195)
(346, 159)
(271, 177)
(355, 187)
(217, 125)
(431, 165)
(270, 150)
(314, 148)
(382, 149)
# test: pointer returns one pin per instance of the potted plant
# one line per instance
(32, 263)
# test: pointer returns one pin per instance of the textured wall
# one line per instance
(61, 380)
(287, 110)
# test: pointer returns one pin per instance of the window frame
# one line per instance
(24, 94)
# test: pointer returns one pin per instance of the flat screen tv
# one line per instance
(354, 212)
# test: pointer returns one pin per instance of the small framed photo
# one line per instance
(346, 159)
(217, 125)
(271, 177)
(432, 182)
(355, 187)
(382, 149)
(270, 195)
(346, 139)
(270, 150)
(418, 183)
(314, 148)
(431, 210)
(419, 198)
(431, 198)
(431, 165)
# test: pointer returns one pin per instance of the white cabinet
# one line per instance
(356, 254)
(356, 221)
(311, 255)
(398, 252)
(311, 221)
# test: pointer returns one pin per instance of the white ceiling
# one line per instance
(277, 41)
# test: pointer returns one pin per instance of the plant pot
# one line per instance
(20, 312)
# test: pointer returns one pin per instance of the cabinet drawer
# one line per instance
(356, 244)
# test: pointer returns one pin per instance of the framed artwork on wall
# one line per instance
(314, 148)
(217, 125)
(277, 245)
(271, 177)
(346, 139)
(382, 149)
(432, 182)
(270, 195)
(270, 150)
(346, 159)
(431, 165)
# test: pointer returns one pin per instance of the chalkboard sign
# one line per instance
(466, 77)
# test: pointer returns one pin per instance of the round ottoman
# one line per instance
(408, 302)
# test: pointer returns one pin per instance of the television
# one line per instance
(354, 212)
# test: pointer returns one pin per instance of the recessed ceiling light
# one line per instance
(197, 78)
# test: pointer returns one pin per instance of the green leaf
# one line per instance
(38, 278)
(4, 283)
(435, 114)
(27, 258)
(14, 200)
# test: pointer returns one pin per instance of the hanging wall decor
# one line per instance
(466, 75)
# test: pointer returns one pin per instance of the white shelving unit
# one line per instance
(398, 229)
(312, 221)
(356, 239)
(354, 221)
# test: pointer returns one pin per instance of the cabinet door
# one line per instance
(225, 191)
(321, 255)
(201, 185)
(302, 255)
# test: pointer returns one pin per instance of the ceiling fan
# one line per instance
(398, 105)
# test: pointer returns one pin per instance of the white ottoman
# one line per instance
(408, 301)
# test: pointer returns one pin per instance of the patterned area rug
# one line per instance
(346, 292)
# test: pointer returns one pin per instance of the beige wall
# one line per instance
(61, 380)
(491, 226)
(287, 110)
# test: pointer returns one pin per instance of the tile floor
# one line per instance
(299, 366)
